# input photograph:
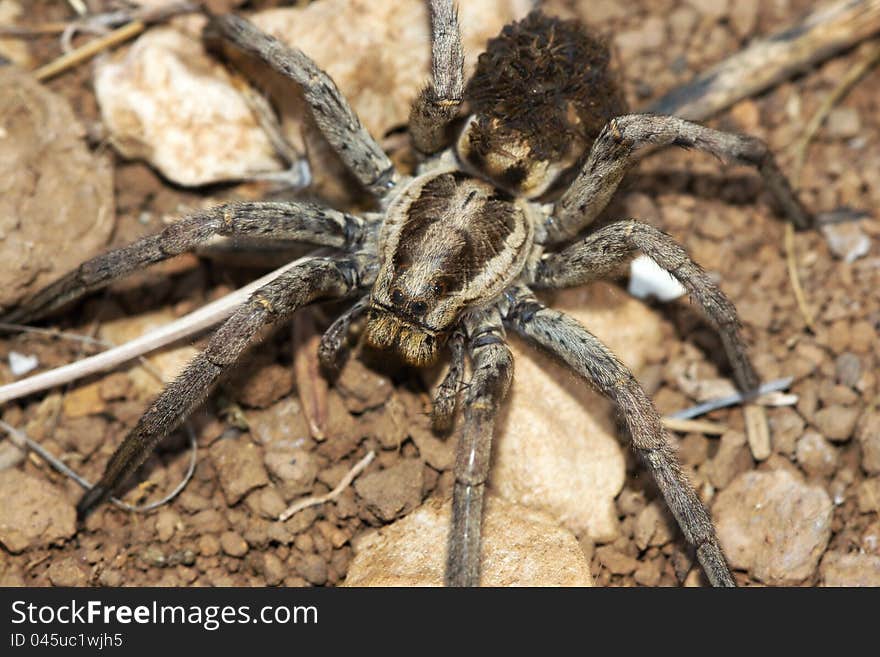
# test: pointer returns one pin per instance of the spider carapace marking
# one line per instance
(450, 260)
(450, 242)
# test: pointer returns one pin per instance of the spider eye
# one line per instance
(396, 296)
(441, 286)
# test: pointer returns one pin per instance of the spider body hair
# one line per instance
(541, 93)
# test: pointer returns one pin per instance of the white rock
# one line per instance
(521, 547)
(20, 364)
(847, 241)
(647, 279)
(167, 102)
(773, 525)
(556, 447)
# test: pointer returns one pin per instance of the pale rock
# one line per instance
(521, 547)
(773, 525)
(556, 446)
(55, 193)
(40, 515)
(855, 569)
(166, 101)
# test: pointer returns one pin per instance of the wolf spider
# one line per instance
(451, 256)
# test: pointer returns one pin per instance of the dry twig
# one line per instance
(333, 494)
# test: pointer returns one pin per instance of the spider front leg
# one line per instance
(332, 350)
(492, 374)
(297, 221)
(612, 153)
(585, 354)
(438, 103)
(314, 280)
(446, 397)
(601, 253)
(334, 116)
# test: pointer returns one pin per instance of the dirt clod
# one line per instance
(393, 492)
(40, 515)
(239, 465)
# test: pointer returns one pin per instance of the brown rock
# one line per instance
(816, 455)
(167, 522)
(786, 426)
(34, 514)
(393, 492)
(263, 385)
(283, 423)
(615, 561)
(868, 495)
(313, 568)
(868, 434)
(84, 400)
(208, 545)
(115, 386)
(233, 544)
(732, 458)
(361, 388)
(773, 525)
(654, 526)
(837, 422)
(239, 465)
(273, 570)
(67, 572)
(648, 573)
(521, 547)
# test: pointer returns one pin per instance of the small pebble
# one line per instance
(233, 544)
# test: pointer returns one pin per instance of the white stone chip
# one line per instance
(21, 364)
(647, 279)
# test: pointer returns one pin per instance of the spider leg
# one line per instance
(314, 280)
(292, 220)
(602, 252)
(612, 154)
(332, 350)
(446, 397)
(333, 115)
(585, 354)
(438, 103)
(492, 374)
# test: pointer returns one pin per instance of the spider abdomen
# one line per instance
(540, 95)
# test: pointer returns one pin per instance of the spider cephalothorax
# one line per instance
(450, 242)
(450, 260)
